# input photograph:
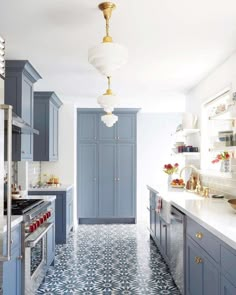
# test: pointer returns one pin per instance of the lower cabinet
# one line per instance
(202, 274)
(152, 209)
(12, 275)
(227, 288)
(63, 213)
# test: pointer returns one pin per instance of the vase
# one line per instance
(169, 180)
(225, 166)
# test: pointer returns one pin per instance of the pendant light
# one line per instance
(109, 119)
(108, 56)
(108, 101)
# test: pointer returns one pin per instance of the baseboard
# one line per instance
(106, 220)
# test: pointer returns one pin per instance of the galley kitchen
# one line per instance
(118, 147)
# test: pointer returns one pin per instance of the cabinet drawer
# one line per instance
(204, 238)
(228, 262)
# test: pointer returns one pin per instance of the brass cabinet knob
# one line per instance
(199, 235)
(198, 260)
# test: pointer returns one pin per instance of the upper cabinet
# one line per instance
(20, 78)
(46, 114)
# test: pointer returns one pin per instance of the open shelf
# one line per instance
(186, 132)
(217, 174)
(224, 148)
(229, 114)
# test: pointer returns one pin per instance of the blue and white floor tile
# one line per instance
(109, 260)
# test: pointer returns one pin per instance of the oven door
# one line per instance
(35, 258)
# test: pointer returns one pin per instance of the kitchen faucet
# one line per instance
(198, 186)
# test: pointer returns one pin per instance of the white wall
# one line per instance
(222, 77)
(154, 144)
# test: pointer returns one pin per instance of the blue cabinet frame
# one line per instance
(46, 114)
(106, 167)
(20, 78)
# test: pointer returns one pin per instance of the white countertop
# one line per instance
(15, 220)
(50, 198)
(216, 215)
(51, 188)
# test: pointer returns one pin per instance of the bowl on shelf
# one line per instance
(232, 203)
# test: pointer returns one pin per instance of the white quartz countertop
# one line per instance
(51, 188)
(49, 198)
(216, 215)
(15, 220)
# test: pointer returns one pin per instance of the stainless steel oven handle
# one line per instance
(32, 243)
(8, 109)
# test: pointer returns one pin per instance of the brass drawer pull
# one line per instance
(199, 235)
(198, 260)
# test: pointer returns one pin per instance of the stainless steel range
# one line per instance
(34, 241)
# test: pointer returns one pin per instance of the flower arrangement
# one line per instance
(221, 157)
(171, 169)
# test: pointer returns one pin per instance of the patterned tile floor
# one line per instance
(109, 260)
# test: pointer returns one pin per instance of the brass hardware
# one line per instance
(199, 235)
(11, 242)
(106, 8)
(198, 260)
(108, 91)
(20, 257)
(206, 191)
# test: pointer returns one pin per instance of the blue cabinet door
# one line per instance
(87, 127)
(12, 274)
(125, 180)
(107, 180)
(126, 127)
(158, 228)
(202, 274)
(227, 288)
(69, 211)
(87, 180)
(55, 133)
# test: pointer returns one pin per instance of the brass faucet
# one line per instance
(198, 188)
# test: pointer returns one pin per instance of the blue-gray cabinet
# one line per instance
(210, 263)
(63, 212)
(46, 112)
(20, 78)
(202, 274)
(106, 167)
(227, 288)
(12, 275)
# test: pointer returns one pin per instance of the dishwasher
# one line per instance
(177, 247)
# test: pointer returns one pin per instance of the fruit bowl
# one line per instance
(177, 183)
(232, 203)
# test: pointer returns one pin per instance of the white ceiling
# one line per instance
(172, 44)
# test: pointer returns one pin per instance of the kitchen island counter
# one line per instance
(15, 220)
(62, 188)
(216, 215)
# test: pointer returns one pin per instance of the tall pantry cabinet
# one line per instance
(106, 167)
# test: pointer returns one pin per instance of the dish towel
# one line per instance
(159, 205)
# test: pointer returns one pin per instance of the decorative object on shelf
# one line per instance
(109, 119)
(177, 183)
(108, 101)
(224, 158)
(189, 121)
(107, 56)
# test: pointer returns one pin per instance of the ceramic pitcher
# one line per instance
(189, 121)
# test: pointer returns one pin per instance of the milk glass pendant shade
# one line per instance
(109, 119)
(108, 101)
(108, 56)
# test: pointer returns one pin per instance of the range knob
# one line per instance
(36, 225)
(41, 220)
(45, 217)
(32, 228)
(38, 222)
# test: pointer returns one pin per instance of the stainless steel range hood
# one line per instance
(20, 126)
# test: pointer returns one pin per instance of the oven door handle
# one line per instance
(32, 243)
